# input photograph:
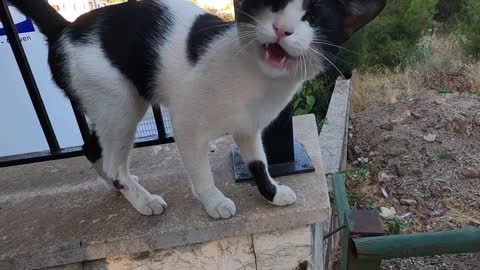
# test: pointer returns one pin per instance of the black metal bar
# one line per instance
(278, 138)
(28, 78)
(40, 156)
(81, 121)
(157, 114)
(22, 159)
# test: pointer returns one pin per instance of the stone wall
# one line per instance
(278, 250)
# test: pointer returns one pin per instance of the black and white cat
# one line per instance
(214, 77)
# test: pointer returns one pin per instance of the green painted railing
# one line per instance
(366, 253)
(418, 244)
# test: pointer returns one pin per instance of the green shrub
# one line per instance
(392, 36)
(315, 96)
(447, 9)
(471, 27)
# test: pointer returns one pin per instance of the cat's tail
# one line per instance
(48, 20)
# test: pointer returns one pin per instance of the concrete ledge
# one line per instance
(333, 143)
(57, 213)
(334, 135)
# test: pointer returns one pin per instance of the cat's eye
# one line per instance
(309, 17)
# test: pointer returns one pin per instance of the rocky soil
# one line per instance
(417, 162)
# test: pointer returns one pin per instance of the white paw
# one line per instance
(134, 178)
(284, 196)
(155, 206)
(225, 208)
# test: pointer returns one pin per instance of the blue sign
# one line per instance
(23, 24)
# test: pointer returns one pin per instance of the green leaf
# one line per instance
(296, 103)
(444, 90)
(300, 112)
(310, 100)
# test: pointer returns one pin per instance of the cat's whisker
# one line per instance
(326, 58)
(240, 38)
(310, 59)
(247, 25)
(213, 27)
(304, 75)
(243, 48)
(340, 59)
(334, 45)
(248, 15)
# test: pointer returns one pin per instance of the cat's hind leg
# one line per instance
(93, 152)
(109, 147)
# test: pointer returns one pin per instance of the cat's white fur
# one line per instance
(230, 90)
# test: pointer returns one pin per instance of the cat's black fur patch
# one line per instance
(57, 61)
(326, 17)
(130, 34)
(92, 149)
(204, 30)
(252, 7)
(46, 18)
(265, 186)
(117, 185)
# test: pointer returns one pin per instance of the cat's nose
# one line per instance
(281, 31)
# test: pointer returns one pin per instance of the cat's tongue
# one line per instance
(275, 55)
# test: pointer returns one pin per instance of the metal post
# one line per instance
(157, 114)
(28, 78)
(285, 156)
(278, 138)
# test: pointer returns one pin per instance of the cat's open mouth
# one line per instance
(275, 55)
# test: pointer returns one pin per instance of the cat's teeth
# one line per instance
(283, 60)
(267, 55)
(266, 46)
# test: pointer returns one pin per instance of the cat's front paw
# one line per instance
(217, 205)
(134, 178)
(284, 196)
(224, 209)
(155, 206)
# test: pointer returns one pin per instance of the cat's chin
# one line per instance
(272, 71)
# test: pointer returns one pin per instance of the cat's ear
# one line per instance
(358, 13)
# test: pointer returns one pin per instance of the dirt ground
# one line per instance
(420, 158)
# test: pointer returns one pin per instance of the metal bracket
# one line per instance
(363, 223)
(302, 164)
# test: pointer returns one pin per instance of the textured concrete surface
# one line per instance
(333, 143)
(333, 137)
(230, 253)
(284, 249)
(279, 250)
(75, 266)
(59, 212)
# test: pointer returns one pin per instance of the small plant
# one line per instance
(396, 225)
(306, 100)
(402, 96)
(444, 154)
(363, 172)
(373, 207)
(353, 198)
(331, 196)
(304, 105)
(322, 122)
(444, 90)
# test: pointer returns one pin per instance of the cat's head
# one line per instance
(300, 37)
